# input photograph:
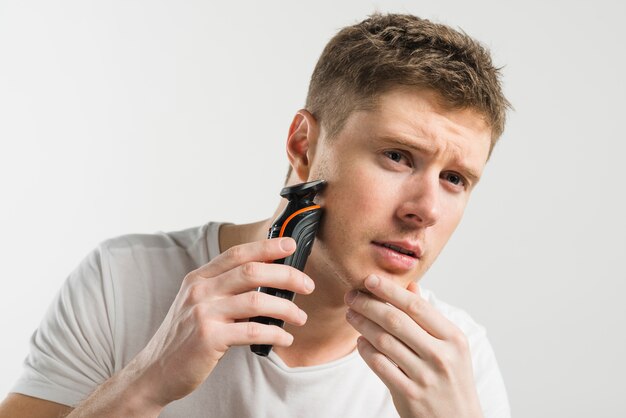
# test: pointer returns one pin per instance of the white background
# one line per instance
(139, 116)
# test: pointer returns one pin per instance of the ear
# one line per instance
(302, 142)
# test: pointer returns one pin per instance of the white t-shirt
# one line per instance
(114, 301)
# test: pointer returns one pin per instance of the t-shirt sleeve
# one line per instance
(71, 352)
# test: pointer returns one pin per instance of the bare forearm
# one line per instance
(121, 395)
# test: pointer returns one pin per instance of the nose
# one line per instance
(420, 205)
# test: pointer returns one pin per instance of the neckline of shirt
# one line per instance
(276, 361)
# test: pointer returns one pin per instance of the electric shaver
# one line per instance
(300, 221)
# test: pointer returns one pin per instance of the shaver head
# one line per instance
(303, 191)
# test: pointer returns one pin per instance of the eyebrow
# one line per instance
(430, 151)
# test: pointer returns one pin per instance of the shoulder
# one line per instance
(183, 239)
(188, 247)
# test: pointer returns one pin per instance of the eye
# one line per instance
(396, 156)
(455, 179)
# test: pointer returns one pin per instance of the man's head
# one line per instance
(384, 51)
(363, 61)
(401, 117)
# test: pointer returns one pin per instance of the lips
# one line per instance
(396, 257)
(403, 247)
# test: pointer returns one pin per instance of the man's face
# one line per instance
(399, 178)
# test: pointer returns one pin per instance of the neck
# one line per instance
(326, 336)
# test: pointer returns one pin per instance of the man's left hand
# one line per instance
(422, 357)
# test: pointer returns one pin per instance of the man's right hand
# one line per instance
(208, 316)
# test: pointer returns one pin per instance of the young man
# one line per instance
(400, 120)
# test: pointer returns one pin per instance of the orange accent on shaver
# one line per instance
(308, 208)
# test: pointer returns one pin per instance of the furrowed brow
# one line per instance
(420, 147)
(430, 151)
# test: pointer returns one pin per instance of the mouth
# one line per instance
(396, 257)
(404, 249)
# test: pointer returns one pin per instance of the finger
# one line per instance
(414, 305)
(252, 275)
(403, 357)
(393, 321)
(391, 375)
(265, 251)
(251, 304)
(246, 333)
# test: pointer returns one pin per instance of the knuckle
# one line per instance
(269, 248)
(438, 360)
(296, 279)
(459, 339)
(190, 277)
(384, 342)
(442, 361)
(412, 391)
(426, 380)
(211, 339)
(249, 270)
(416, 307)
(293, 275)
(255, 300)
(195, 294)
(253, 330)
(235, 253)
(198, 314)
(205, 331)
(393, 321)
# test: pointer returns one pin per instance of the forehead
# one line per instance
(411, 105)
(420, 118)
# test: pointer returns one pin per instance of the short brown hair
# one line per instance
(388, 50)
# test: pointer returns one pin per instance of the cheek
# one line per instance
(450, 218)
(349, 206)
(452, 211)
(363, 192)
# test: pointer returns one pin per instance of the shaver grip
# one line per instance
(304, 235)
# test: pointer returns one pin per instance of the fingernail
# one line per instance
(287, 244)
(372, 281)
(350, 314)
(303, 316)
(350, 296)
(309, 284)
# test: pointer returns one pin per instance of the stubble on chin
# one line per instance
(328, 271)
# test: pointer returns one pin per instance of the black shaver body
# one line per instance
(300, 221)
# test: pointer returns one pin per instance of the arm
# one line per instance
(207, 317)
(16, 405)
